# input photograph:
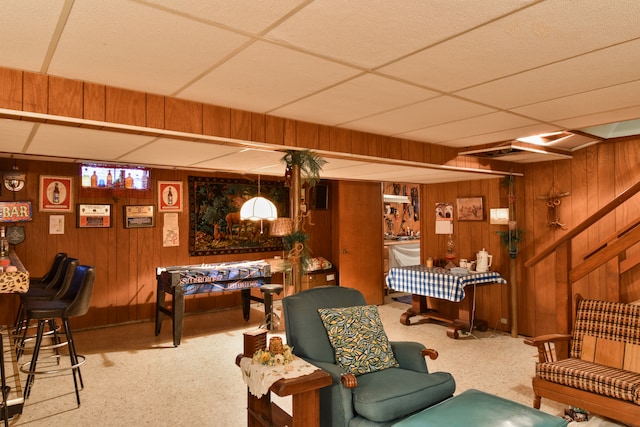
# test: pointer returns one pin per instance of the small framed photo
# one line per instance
(93, 216)
(499, 216)
(170, 196)
(470, 209)
(139, 216)
(56, 194)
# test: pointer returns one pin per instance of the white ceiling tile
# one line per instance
(164, 151)
(605, 67)
(163, 53)
(541, 34)
(442, 109)
(604, 117)
(607, 99)
(360, 97)
(82, 143)
(25, 46)
(265, 76)
(247, 159)
(468, 127)
(14, 134)
(246, 15)
(373, 33)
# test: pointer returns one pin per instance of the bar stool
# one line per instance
(51, 275)
(75, 302)
(271, 320)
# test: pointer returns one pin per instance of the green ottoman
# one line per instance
(478, 409)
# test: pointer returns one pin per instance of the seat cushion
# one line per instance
(358, 339)
(474, 408)
(393, 393)
(605, 380)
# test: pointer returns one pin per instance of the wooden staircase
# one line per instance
(614, 246)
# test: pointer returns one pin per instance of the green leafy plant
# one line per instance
(309, 162)
(510, 240)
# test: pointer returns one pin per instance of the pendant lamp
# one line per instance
(258, 208)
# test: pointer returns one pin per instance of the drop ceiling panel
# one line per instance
(83, 143)
(163, 53)
(246, 160)
(541, 34)
(25, 46)
(469, 127)
(246, 15)
(562, 78)
(369, 34)
(422, 114)
(164, 151)
(359, 97)
(607, 99)
(612, 116)
(265, 76)
(14, 135)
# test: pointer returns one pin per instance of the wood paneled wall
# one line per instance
(125, 259)
(594, 177)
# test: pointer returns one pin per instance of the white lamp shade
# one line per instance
(258, 208)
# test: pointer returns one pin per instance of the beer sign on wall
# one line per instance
(15, 211)
(56, 194)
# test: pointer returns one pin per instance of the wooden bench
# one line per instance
(597, 367)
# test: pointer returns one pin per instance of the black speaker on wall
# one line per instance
(320, 197)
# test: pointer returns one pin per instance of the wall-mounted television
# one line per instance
(110, 176)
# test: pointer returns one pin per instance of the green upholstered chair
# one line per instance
(377, 398)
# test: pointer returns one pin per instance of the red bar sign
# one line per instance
(15, 211)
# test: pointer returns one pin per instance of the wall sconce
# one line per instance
(14, 180)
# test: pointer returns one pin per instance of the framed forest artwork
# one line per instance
(215, 227)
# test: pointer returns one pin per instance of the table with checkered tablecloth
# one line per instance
(423, 282)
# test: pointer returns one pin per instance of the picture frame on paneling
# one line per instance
(470, 208)
(170, 196)
(93, 216)
(499, 216)
(56, 194)
(139, 216)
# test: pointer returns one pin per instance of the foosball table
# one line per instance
(181, 281)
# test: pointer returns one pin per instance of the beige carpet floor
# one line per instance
(134, 378)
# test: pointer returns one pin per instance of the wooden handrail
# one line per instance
(606, 209)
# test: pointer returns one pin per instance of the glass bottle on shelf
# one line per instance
(4, 244)
(94, 180)
(109, 179)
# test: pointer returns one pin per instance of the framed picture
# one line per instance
(93, 216)
(56, 194)
(139, 216)
(470, 209)
(170, 196)
(499, 216)
(214, 216)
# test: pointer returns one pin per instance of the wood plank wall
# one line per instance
(594, 177)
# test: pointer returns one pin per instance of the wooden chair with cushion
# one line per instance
(375, 382)
(597, 366)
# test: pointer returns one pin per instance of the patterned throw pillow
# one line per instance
(358, 338)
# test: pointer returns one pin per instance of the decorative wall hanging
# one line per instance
(139, 216)
(553, 199)
(215, 227)
(470, 209)
(56, 194)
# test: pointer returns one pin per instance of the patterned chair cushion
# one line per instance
(358, 339)
(592, 377)
(605, 319)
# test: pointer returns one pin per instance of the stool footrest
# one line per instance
(81, 361)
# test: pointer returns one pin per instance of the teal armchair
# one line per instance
(378, 398)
